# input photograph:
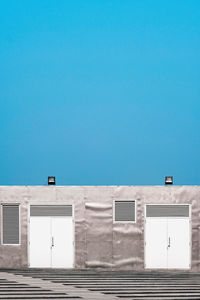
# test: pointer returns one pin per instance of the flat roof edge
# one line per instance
(54, 186)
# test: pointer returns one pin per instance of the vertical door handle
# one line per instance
(169, 243)
(52, 242)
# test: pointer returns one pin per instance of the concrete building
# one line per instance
(117, 227)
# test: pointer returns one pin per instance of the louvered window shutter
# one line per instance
(10, 224)
(125, 211)
(153, 211)
(51, 210)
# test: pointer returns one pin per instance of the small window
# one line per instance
(10, 214)
(125, 211)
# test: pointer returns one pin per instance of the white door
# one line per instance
(40, 242)
(156, 243)
(62, 242)
(51, 242)
(178, 243)
(167, 243)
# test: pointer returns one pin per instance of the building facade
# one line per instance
(116, 227)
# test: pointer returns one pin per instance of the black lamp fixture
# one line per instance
(168, 179)
(51, 180)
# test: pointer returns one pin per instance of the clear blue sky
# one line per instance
(99, 92)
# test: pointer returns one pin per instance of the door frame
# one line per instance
(190, 232)
(28, 228)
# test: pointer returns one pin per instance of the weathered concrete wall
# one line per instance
(98, 241)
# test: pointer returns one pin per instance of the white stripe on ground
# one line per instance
(70, 290)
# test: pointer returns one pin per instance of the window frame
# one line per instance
(19, 209)
(124, 200)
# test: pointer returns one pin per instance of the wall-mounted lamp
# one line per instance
(51, 180)
(168, 179)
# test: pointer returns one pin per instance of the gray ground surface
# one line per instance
(77, 284)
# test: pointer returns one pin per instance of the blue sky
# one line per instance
(99, 92)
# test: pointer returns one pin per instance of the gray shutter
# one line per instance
(167, 211)
(10, 224)
(125, 211)
(51, 210)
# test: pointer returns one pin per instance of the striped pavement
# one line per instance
(96, 285)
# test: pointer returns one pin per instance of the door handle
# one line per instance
(52, 242)
(169, 243)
